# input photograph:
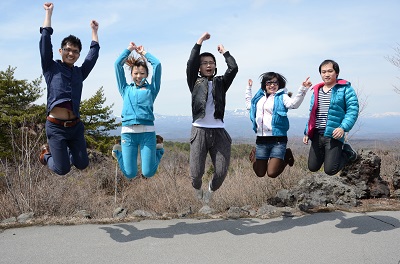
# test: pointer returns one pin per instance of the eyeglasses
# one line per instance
(206, 63)
(269, 83)
(68, 50)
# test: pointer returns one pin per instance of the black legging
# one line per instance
(328, 151)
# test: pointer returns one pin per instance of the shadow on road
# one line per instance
(361, 224)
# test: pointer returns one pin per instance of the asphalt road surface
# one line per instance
(336, 237)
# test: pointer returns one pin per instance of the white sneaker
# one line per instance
(159, 146)
(199, 194)
(114, 149)
(207, 195)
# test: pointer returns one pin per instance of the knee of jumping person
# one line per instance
(147, 176)
(129, 173)
(196, 183)
(62, 170)
(216, 184)
(259, 170)
(148, 173)
(259, 174)
(331, 172)
(313, 169)
(130, 176)
(82, 166)
(273, 174)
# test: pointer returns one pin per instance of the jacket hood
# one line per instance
(339, 82)
(282, 90)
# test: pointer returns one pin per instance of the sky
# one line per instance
(291, 37)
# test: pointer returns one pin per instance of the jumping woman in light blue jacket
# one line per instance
(138, 130)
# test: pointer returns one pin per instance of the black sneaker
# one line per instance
(289, 159)
(350, 152)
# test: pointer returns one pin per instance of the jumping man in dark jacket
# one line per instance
(208, 107)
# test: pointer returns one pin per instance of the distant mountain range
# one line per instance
(177, 128)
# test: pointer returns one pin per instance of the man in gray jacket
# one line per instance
(208, 133)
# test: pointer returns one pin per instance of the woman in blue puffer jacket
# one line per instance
(333, 112)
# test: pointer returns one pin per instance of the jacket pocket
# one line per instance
(280, 120)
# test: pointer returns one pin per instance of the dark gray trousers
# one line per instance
(216, 142)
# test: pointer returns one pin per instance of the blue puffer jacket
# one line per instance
(280, 121)
(343, 109)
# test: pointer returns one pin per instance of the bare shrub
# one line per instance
(30, 187)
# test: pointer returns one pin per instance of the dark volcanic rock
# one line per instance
(359, 180)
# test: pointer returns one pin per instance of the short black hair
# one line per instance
(208, 54)
(334, 64)
(74, 41)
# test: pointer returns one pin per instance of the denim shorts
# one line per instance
(266, 151)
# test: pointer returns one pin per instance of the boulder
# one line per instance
(366, 170)
(359, 180)
(396, 178)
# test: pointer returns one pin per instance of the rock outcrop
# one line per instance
(359, 180)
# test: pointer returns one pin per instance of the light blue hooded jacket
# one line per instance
(138, 100)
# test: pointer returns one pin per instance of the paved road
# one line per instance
(336, 237)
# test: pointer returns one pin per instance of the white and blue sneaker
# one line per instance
(116, 147)
(159, 142)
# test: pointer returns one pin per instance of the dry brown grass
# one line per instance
(30, 187)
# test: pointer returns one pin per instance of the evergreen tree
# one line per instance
(17, 109)
(19, 114)
(98, 121)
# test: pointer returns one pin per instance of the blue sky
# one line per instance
(291, 37)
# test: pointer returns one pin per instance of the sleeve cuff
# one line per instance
(48, 29)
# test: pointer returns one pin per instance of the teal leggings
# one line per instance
(150, 156)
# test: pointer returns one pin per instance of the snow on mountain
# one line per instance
(387, 114)
(177, 127)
